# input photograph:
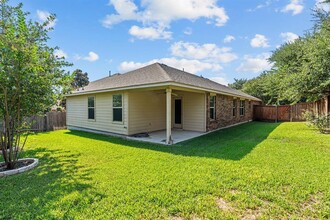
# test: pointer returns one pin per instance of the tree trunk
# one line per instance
(11, 165)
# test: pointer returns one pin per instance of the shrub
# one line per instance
(319, 121)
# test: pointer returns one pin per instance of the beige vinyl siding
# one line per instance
(194, 111)
(147, 111)
(77, 113)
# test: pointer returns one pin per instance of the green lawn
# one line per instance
(262, 170)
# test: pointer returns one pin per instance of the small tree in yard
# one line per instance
(30, 76)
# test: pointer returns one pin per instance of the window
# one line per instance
(212, 107)
(91, 107)
(242, 108)
(234, 107)
(117, 108)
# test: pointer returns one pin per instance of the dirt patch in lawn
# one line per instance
(248, 214)
(182, 218)
(251, 214)
(312, 201)
(223, 205)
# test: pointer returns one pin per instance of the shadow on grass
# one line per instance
(50, 190)
(229, 144)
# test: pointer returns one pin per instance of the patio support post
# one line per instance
(168, 116)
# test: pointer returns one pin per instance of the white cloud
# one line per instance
(228, 39)
(260, 6)
(324, 6)
(159, 13)
(60, 53)
(187, 31)
(43, 15)
(192, 66)
(295, 6)
(92, 56)
(259, 40)
(255, 64)
(220, 80)
(126, 10)
(209, 52)
(149, 33)
(289, 37)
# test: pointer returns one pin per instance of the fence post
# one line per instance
(45, 123)
(48, 122)
(276, 119)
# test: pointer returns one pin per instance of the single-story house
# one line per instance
(157, 97)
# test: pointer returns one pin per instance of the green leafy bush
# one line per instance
(319, 121)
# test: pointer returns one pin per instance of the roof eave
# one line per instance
(169, 83)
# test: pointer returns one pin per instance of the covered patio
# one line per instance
(167, 115)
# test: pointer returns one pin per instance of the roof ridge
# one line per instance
(194, 75)
(160, 65)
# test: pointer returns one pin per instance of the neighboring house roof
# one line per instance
(156, 74)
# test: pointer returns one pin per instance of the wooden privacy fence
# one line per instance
(49, 122)
(290, 112)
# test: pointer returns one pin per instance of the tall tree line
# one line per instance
(301, 69)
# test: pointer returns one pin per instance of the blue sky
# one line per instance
(221, 40)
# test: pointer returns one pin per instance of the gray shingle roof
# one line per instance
(158, 73)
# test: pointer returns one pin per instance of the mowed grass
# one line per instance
(255, 170)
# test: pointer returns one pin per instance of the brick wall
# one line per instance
(224, 112)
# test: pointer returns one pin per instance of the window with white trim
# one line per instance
(91, 107)
(234, 107)
(117, 108)
(212, 107)
(242, 108)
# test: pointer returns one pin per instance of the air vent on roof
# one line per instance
(116, 74)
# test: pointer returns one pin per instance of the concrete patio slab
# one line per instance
(159, 137)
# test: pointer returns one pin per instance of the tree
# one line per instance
(77, 79)
(238, 84)
(80, 79)
(30, 76)
(287, 72)
(304, 64)
(301, 70)
(264, 87)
